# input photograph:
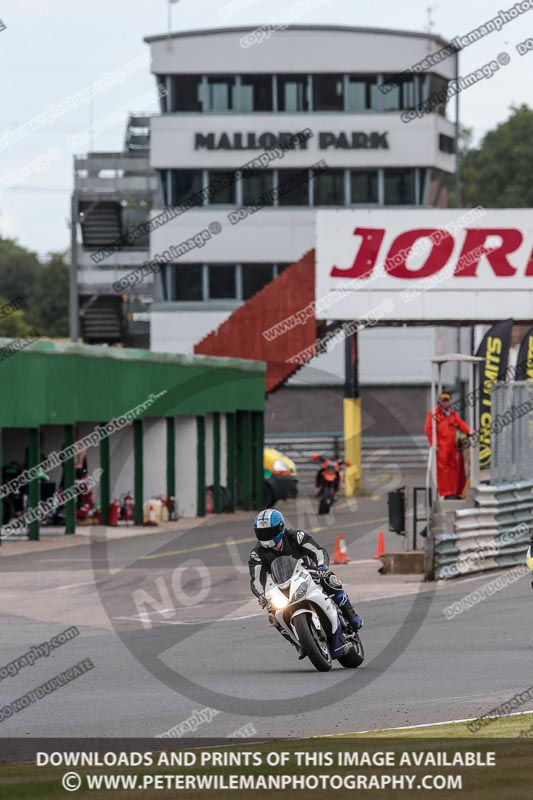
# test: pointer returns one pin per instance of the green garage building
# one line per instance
(175, 424)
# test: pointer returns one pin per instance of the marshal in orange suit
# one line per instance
(447, 422)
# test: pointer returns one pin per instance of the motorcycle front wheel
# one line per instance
(326, 499)
(313, 642)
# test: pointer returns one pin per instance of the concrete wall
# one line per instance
(121, 456)
(179, 331)
(186, 467)
(155, 458)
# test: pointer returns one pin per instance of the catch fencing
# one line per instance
(512, 432)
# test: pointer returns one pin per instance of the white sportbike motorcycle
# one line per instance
(298, 604)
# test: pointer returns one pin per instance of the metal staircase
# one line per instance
(101, 319)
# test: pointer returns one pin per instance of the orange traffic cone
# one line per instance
(340, 553)
(381, 545)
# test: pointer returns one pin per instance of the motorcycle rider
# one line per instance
(274, 540)
(327, 464)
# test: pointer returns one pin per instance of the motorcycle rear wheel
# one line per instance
(315, 647)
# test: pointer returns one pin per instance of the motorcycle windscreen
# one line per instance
(282, 568)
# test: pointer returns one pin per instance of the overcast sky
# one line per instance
(51, 49)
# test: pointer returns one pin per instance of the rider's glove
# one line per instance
(263, 602)
(322, 568)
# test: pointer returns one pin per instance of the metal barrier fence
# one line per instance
(512, 432)
(379, 453)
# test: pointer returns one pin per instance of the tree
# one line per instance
(43, 288)
(19, 270)
(13, 324)
(499, 173)
(49, 306)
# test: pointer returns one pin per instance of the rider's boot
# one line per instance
(343, 601)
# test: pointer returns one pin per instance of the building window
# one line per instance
(329, 188)
(187, 282)
(186, 93)
(256, 93)
(446, 143)
(364, 186)
(221, 91)
(163, 94)
(403, 94)
(254, 277)
(293, 185)
(222, 188)
(222, 283)
(437, 90)
(400, 187)
(292, 93)
(184, 183)
(328, 94)
(362, 93)
(255, 184)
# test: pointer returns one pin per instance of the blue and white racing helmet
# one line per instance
(269, 527)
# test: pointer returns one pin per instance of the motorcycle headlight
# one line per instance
(278, 599)
(300, 592)
(280, 466)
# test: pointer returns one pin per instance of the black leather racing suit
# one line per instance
(297, 544)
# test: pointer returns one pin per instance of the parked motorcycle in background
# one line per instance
(297, 602)
(328, 481)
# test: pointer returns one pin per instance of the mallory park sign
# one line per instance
(356, 140)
